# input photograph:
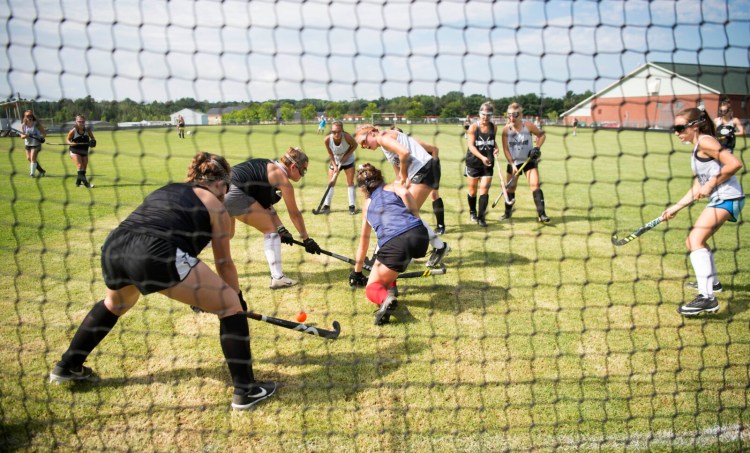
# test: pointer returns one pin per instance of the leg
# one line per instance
(351, 190)
(484, 197)
(329, 195)
(532, 175)
(95, 326)
(266, 221)
(439, 210)
(701, 259)
(35, 161)
(381, 280)
(471, 197)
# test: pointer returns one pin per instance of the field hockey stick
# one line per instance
(504, 192)
(328, 189)
(335, 255)
(7, 132)
(511, 181)
(650, 225)
(424, 273)
(298, 326)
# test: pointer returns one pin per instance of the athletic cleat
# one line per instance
(473, 217)
(506, 215)
(699, 305)
(481, 222)
(42, 173)
(437, 256)
(60, 374)
(694, 285)
(259, 392)
(283, 282)
(440, 230)
(325, 210)
(352, 210)
(543, 218)
(383, 314)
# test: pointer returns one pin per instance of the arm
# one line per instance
(391, 144)
(364, 238)
(433, 150)
(539, 134)
(287, 193)
(407, 198)
(506, 148)
(221, 225)
(686, 200)
(728, 162)
(330, 153)
(352, 146)
(69, 137)
(739, 130)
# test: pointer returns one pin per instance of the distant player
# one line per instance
(322, 125)
(33, 134)
(518, 146)
(81, 139)
(180, 126)
(727, 126)
(340, 146)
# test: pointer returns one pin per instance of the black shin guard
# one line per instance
(95, 326)
(484, 200)
(539, 201)
(81, 177)
(439, 210)
(472, 203)
(509, 207)
(234, 335)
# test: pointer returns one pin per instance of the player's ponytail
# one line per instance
(207, 167)
(369, 177)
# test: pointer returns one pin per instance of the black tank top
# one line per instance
(485, 143)
(173, 213)
(251, 177)
(725, 135)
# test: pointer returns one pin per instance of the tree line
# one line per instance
(451, 105)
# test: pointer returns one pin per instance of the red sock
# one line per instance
(376, 292)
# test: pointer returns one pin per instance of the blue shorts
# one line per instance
(733, 206)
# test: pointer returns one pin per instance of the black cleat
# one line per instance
(699, 305)
(259, 392)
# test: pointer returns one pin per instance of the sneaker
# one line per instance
(440, 230)
(694, 285)
(259, 392)
(699, 305)
(506, 215)
(473, 217)
(283, 282)
(352, 210)
(325, 210)
(543, 218)
(88, 185)
(31, 175)
(437, 255)
(481, 222)
(383, 314)
(42, 173)
(60, 374)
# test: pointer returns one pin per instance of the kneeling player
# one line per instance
(392, 212)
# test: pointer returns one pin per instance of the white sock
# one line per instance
(435, 241)
(352, 196)
(701, 260)
(329, 197)
(272, 247)
(32, 168)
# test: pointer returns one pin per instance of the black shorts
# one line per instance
(429, 174)
(479, 172)
(531, 165)
(343, 167)
(34, 148)
(397, 253)
(150, 264)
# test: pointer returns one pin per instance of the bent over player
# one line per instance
(392, 212)
(155, 249)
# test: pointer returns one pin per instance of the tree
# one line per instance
(369, 110)
(416, 110)
(309, 112)
(287, 112)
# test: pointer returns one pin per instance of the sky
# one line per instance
(231, 50)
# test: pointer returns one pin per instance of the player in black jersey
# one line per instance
(480, 161)
(80, 139)
(727, 126)
(155, 249)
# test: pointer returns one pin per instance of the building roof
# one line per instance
(729, 80)
(223, 110)
(723, 80)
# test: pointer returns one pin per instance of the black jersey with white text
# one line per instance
(485, 143)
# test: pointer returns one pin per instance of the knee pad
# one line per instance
(376, 293)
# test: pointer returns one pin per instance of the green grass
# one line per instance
(537, 338)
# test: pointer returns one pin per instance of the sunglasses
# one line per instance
(679, 128)
(486, 114)
(301, 170)
(514, 114)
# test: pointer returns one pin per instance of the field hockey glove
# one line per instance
(311, 246)
(536, 153)
(357, 279)
(92, 143)
(285, 235)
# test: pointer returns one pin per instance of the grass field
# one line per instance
(538, 337)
